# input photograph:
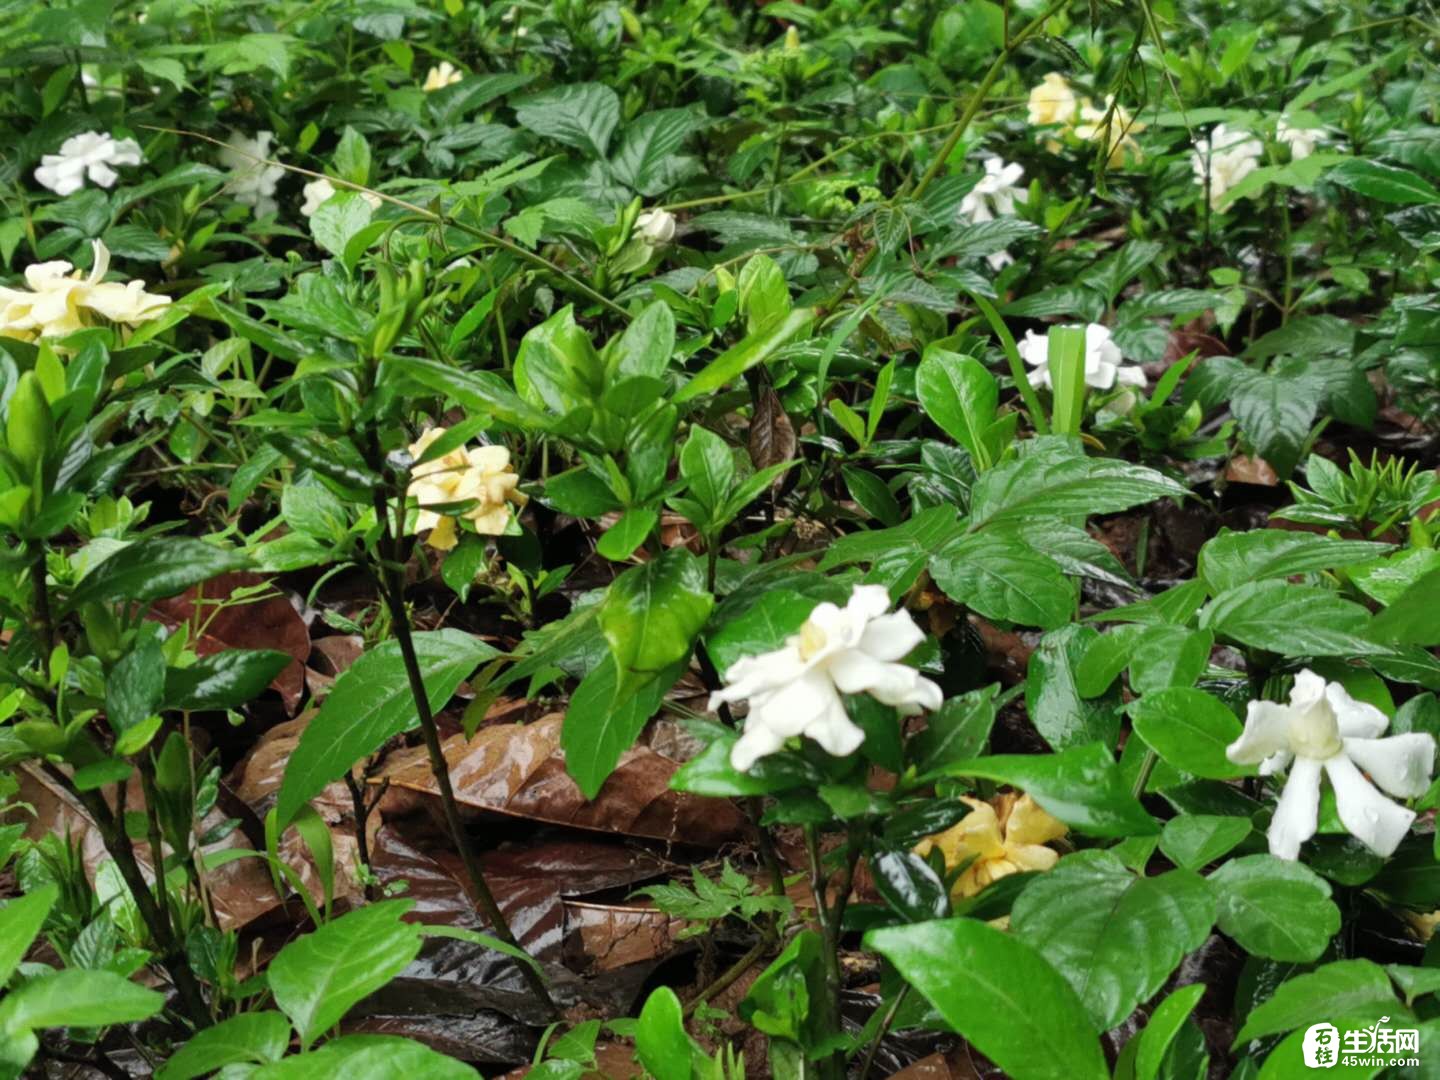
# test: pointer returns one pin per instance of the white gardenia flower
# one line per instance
(1324, 729)
(1301, 141)
(1104, 364)
(317, 193)
(994, 196)
(655, 227)
(1226, 157)
(795, 690)
(252, 180)
(90, 154)
(443, 75)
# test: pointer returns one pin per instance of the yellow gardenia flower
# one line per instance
(1052, 102)
(1002, 837)
(60, 302)
(481, 473)
(1096, 124)
(446, 74)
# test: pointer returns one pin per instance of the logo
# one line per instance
(1321, 1046)
(1326, 1046)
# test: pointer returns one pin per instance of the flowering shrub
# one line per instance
(708, 541)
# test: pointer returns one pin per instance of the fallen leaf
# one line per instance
(519, 770)
(267, 622)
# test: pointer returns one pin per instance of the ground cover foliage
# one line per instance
(718, 540)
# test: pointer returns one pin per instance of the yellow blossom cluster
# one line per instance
(1054, 104)
(1004, 836)
(481, 474)
(61, 300)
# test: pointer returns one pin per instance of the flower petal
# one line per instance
(836, 733)
(1297, 812)
(1357, 720)
(1399, 764)
(1371, 818)
(891, 637)
(762, 674)
(758, 741)
(1028, 825)
(1267, 732)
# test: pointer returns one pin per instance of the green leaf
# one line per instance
(479, 391)
(1292, 620)
(1385, 183)
(1231, 559)
(708, 466)
(762, 626)
(1052, 485)
(370, 703)
(155, 568)
(1065, 360)
(1275, 908)
(598, 728)
(1004, 581)
(223, 680)
(898, 555)
(318, 977)
(583, 115)
(20, 923)
(907, 883)
(77, 998)
(1081, 786)
(1062, 716)
(619, 541)
(645, 160)
(1275, 413)
(652, 613)
(871, 494)
(1000, 994)
(1189, 729)
(136, 686)
(1196, 840)
(1339, 989)
(959, 730)
(1414, 617)
(1160, 1031)
(753, 349)
(255, 1037)
(369, 1057)
(960, 395)
(342, 216)
(661, 1043)
(1114, 936)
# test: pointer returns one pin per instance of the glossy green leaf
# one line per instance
(1000, 994)
(255, 1037)
(155, 568)
(1115, 936)
(317, 977)
(369, 704)
(223, 680)
(1190, 729)
(1275, 908)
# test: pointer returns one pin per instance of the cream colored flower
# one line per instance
(1053, 101)
(60, 302)
(441, 76)
(1324, 730)
(1112, 125)
(1225, 158)
(795, 690)
(1301, 141)
(481, 474)
(317, 193)
(655, 227)
(996, 839)
(89, 154)
(252, 180)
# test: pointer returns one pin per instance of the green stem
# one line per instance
(389, 574)
(1147, 766)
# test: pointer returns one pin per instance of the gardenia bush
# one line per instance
(815, 541)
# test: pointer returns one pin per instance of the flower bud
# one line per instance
(655, 227)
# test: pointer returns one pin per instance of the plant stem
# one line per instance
(43, 622)
(884, 1030)
(728, 977)
(832, 1067)
(390, 578)
(117, 842)
(1147, 766)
